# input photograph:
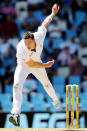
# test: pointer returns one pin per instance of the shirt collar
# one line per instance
(34, 50)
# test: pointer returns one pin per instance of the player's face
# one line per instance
(32, 44)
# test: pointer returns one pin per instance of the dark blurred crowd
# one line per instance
(66, 39)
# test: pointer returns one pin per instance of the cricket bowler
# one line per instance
(28, 55)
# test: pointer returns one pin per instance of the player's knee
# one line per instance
(47, 86)
(15, 86)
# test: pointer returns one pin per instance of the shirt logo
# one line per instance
(31, 54)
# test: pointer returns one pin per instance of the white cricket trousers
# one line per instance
(21, 73)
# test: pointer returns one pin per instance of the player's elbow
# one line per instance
(30, 63)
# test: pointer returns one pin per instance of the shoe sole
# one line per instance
(11, 119)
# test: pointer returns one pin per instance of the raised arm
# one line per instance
(55, 10)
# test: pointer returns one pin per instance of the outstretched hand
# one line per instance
(55, 9)
(50, 63)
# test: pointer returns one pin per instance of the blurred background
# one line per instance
(66, 42)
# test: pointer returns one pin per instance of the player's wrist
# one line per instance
(52, 14)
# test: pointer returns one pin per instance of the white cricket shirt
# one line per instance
(24, 54)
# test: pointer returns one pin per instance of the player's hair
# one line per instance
(28, 35)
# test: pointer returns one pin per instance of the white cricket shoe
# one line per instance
(14, 119)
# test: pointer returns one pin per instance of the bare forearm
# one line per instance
(37, 65)
(47, 20)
